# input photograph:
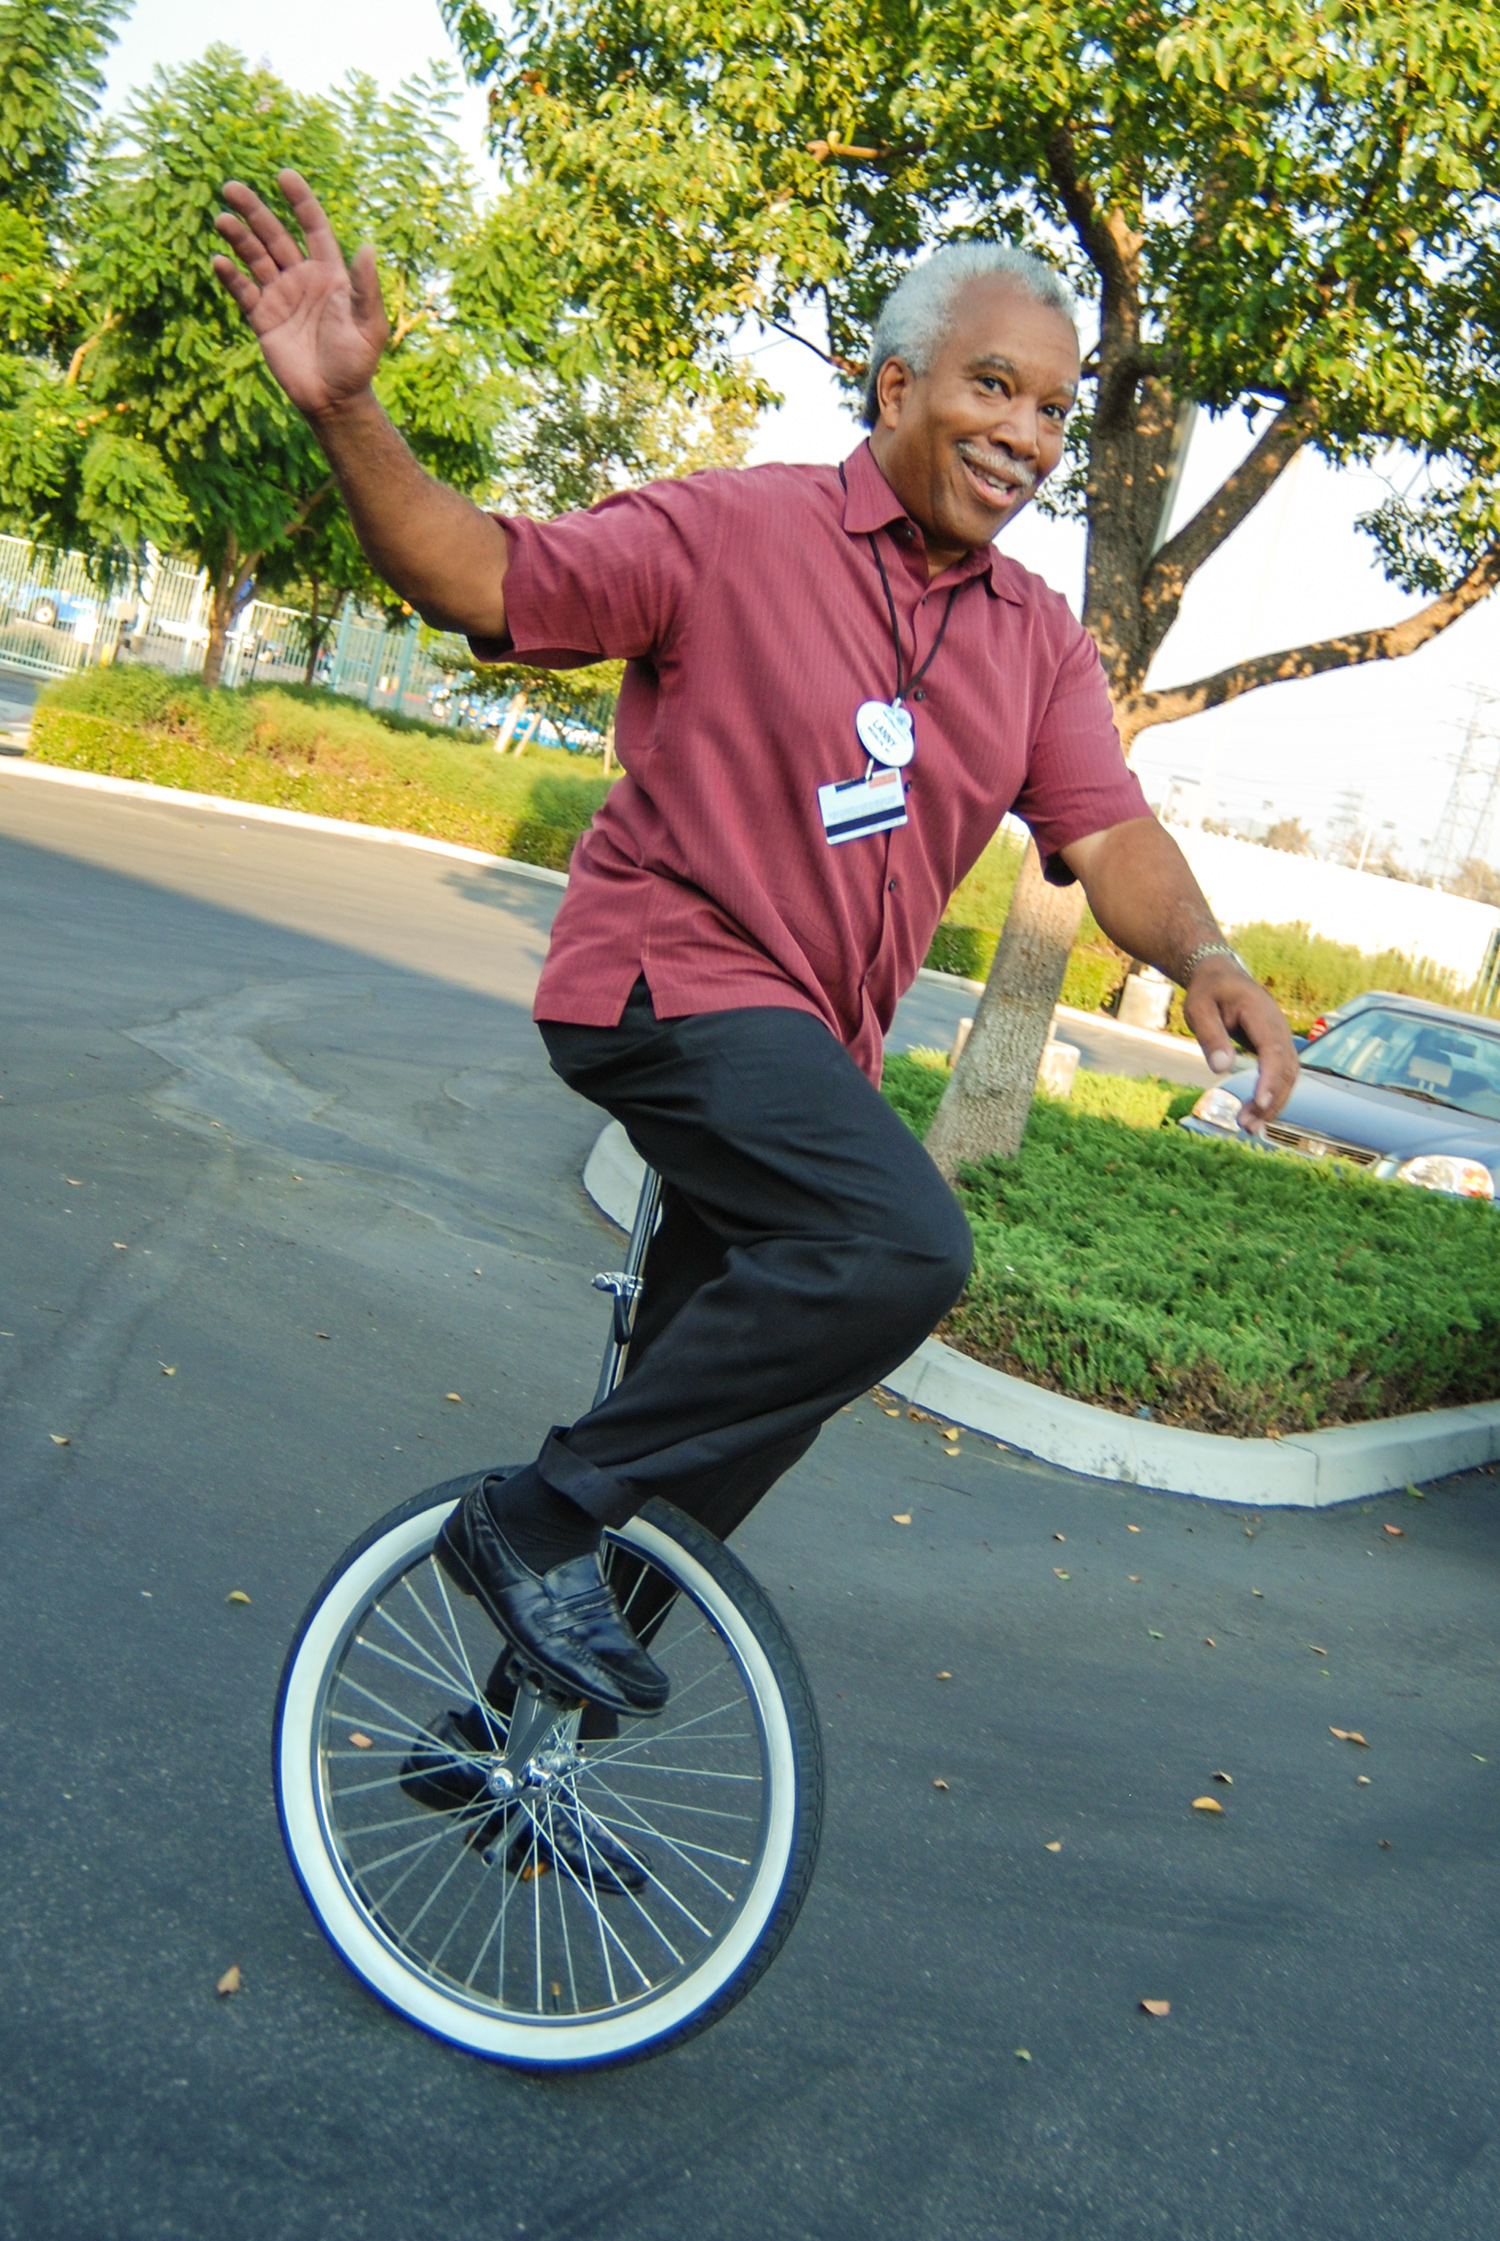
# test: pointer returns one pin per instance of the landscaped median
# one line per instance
(290, 748)
(1150, 1307)
(1220, 1289)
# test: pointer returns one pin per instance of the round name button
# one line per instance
(885, 733)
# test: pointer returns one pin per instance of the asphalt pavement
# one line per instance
(281, 1165)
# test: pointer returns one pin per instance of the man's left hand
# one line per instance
(1222, 1001)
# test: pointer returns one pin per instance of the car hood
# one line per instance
(1397, 1127)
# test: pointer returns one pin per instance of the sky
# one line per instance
(1386, 735)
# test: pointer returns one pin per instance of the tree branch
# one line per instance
(829, 357)
(1236, 497)
(1392, 642)
(1094, 236)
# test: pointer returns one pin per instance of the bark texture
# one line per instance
(984, 1107)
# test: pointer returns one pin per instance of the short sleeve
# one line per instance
(611, 584)
(1077, 779)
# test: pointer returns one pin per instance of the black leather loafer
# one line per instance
(564, 1625)
(446, 1776)
(599, 1864)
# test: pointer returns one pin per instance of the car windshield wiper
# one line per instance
(1401, 1089)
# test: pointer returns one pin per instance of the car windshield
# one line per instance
(1424, 1057)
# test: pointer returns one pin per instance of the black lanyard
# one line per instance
(913, 682)
(953, 591)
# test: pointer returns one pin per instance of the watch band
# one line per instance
(1195, 957)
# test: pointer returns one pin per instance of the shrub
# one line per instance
(1219, 1287)
(308, 749)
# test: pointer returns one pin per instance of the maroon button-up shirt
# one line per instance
(749, 609)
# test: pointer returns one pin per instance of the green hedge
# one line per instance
(302, 748)
(1228, 1290)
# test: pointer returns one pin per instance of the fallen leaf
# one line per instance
(1397, 1532)
(360, 1742)
(901, 1517)
(893, 1412)
(1023, 2054)
(1207, 1805)
(236, 1595)
(1134, 1578)
(1057, 1575)
(1156, 2007)
(1415, 1492)
(75, 1180)
(1055, 1845)
(320, 1334)
(296, 1178)
(230, 1981)
(1317, 1649)
(938, 1783)
(1260, 1591)
(453, 1397)
(169, 1369)
(1349, 1735)
(1209, 1643)
(1221, 1776)
(1385, 1844)
(1154, 1636)
(60, 1439)
(1249, 1535)
(1132, 1529)
(534, 1868)
(945, 1676)
(950, 1432)
(915, 1415)
(1059, 1536)
(119, 1248)
(1475, 1755)
(1361, 1781)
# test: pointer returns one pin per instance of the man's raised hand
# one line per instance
(320, 322)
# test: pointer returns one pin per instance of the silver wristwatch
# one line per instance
(1195, 957)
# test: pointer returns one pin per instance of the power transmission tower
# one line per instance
(1463, 829)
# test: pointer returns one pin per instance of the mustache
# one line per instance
(999, 463)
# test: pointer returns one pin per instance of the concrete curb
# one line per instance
(1347, 1463)
(263, 813)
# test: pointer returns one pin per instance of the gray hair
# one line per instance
(918, 313)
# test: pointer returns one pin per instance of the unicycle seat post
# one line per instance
(626, 1285)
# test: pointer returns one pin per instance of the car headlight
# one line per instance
(1221, 1109)
(1442, 1171)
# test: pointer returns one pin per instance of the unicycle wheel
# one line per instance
(544, 1884)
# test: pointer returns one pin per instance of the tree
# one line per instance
(66, 470)
(1281, 208)
(51, 76)
(1291, 836)
(154, 417)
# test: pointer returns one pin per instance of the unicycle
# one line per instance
(544, 1883)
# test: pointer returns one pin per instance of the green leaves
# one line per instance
(51, 76)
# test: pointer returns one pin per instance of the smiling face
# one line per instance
(967, 443)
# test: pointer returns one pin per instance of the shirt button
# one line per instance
(919, 694)
(890, 886)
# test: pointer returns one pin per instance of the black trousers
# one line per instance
(807, 1245)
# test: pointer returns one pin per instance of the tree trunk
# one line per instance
(984, 1108)
(220, 609)
(609, 746)
(512, 722)
(317, 630)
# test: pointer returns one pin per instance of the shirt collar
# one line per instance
(871, 504)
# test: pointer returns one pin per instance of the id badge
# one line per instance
(852, 807)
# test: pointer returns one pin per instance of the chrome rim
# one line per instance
(574, 1876)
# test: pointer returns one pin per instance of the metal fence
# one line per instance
(54, 622)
